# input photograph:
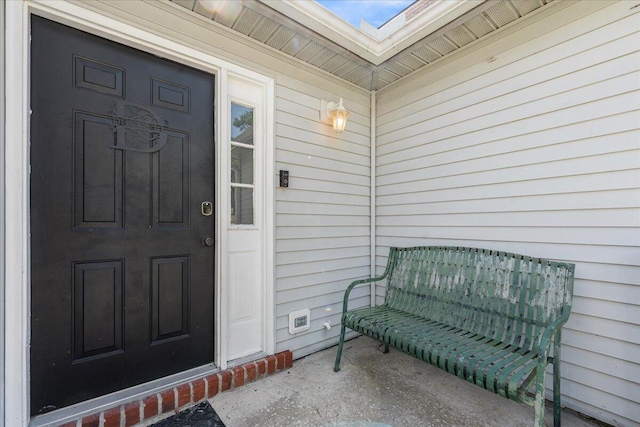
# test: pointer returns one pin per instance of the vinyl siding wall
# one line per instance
(322, 220)
(529, 142)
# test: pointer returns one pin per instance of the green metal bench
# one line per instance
(486, 316)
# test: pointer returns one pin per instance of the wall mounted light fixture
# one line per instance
(338, 115)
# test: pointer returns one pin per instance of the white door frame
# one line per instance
(16, 174)
(245, 242)
(2, 248)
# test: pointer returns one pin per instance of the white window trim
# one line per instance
(2, 228)
(16, 172)
(264, 167)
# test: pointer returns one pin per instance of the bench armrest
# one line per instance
(345, 304)
(545, 340)
(355, 283)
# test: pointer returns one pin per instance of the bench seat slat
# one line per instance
(488, 363)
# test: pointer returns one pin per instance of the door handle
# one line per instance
(207, 241)
(206, 208)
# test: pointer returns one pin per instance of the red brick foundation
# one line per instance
(173, 400)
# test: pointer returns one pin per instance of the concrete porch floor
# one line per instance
(372, 390)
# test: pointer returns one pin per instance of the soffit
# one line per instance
(424, 33)
(376, 45)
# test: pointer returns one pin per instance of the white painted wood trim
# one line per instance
(222, 195)
(269, 216)
(16, 351)
(2, 227)
(16, 356)
(373, 197)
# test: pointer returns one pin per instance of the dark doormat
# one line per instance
(201, 415)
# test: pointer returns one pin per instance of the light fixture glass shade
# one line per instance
(338, 115)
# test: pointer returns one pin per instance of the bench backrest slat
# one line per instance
(507, 297)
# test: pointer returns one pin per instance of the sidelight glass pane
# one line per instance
(241, 205)
(241, 165)
(241, 124)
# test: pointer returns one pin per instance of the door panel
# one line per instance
(171, 194)
(169, 299)
(97, 172)
(97, 302)
(121, 159)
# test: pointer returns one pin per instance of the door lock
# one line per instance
(206, 208)
(207, 241)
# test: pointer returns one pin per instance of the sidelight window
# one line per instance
(242, 165)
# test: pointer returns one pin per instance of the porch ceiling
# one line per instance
(362, 59)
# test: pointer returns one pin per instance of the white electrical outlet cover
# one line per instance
(297, 315)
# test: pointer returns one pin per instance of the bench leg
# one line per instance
(386, 348)
(336, 368)
(539, 401)
(557, 408)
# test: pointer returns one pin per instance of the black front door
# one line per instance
(121, 185)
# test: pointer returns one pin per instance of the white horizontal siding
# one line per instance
(529, 142)
(323, 218)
